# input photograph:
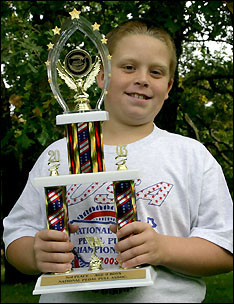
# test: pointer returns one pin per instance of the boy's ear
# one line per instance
(170, 85)
(100, 78)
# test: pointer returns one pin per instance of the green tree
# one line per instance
(206, 108)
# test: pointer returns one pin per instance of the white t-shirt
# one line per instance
(181, 192)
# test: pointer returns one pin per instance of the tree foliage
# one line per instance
(200, 103)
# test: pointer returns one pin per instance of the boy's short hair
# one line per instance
(147, 27)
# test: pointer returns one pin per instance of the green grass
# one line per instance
(219, 290)
(18, 293)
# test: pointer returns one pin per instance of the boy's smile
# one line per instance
(138, 96)
(140, 79)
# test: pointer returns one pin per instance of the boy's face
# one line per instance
(140, 80)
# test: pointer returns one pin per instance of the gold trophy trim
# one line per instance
(78, 62)
(95, 262)
(77, 278)
(72, 73)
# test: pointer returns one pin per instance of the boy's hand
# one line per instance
(52, 250)
(138, 244)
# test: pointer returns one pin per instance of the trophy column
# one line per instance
(55, 198)
(124, 193)
(85, 147)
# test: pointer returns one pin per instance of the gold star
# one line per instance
(106, 92)
(104, 40)
(95, 26)
(56, 30)
(75, 14)
(47, 62)
(109, 57)
(109, 75)
(50, 46)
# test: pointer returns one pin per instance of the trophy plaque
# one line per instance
(72, 66)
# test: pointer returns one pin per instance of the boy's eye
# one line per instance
(156, 73)
(128, 67)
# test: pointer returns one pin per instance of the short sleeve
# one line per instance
(27, 217)
(214, 220)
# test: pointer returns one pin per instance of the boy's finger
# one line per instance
(53, 235)
(131, 228)
(56, 246)
(73, 228)
(113, 228)
(55, 267)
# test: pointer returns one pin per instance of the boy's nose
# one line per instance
(142, 83)
(141, 80)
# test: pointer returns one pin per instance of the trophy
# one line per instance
(72, 67)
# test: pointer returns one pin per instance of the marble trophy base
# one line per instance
(68, 118)
(83, 178)
(81, 279)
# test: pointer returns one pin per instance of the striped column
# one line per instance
(85, 147)
(125, 203)
(56, 207)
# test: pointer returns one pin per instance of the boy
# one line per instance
(184, 227)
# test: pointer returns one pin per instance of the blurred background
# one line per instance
(200, 105)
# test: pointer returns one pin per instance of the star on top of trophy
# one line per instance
(95, 26)
(50, 46)
(104, 40)
(75, 14)
(47, 62)
(56, 30)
